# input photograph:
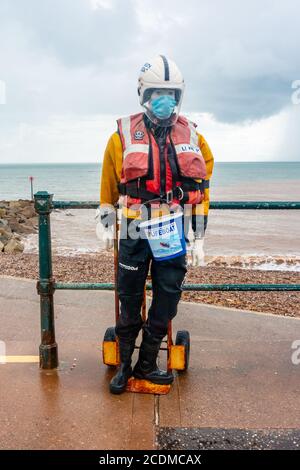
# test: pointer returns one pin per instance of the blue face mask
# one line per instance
(163, 106)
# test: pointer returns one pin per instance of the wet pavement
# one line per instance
(242, 388)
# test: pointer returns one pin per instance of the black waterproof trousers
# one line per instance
(167, 276)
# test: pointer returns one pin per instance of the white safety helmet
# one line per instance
(157, 74)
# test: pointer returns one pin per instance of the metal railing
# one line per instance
(46, 284)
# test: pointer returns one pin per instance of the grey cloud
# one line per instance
(63, 57)
(238, 58)
(238, 100)
(71, 31)
(60, 56)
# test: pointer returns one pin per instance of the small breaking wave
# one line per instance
(258, 262)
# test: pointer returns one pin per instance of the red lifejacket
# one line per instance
(142, 170)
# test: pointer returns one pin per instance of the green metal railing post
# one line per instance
(45, 285)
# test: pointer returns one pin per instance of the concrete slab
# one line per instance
(241, 375)
(70, 408)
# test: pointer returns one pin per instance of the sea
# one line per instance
(250, 239)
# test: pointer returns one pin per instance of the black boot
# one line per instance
(146, 367)
(119, 381)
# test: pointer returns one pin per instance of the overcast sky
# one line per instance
(69, 68)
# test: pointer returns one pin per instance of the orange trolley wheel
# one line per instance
(183, 339)
(110, 347)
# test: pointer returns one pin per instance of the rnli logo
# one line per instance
(146, 67)
(139, 135)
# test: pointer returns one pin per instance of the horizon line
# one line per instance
(96, 163)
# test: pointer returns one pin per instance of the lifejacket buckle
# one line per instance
(181, 193)
(169, 196)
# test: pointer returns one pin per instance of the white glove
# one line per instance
(108, 237)
(197, 252)
(103, 232)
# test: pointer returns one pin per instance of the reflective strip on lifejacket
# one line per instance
(126, 134)
(194, 136)
(136, 148)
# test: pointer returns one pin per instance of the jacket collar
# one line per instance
(158, 132)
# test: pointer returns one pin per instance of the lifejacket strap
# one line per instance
(133, 190)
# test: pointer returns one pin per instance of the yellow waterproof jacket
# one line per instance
(111, 175)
